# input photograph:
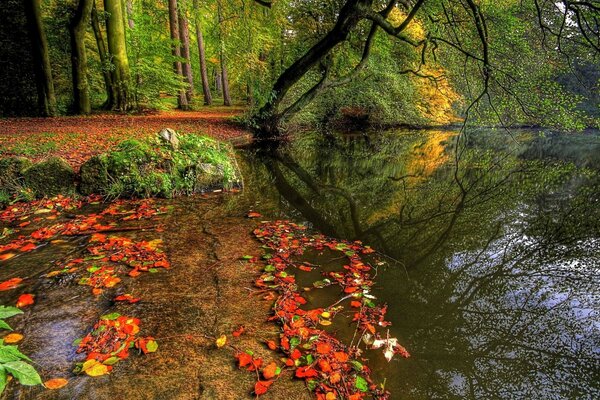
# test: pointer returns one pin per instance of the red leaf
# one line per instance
(261, 387)
(25, 300)
(10, 284)
(241, 329)
(28, 247)
(323, 348)
(244, 359)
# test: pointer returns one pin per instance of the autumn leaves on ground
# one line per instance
(187, 298)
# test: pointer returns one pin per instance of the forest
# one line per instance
(299, 199)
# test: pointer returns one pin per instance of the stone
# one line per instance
(208, 177)
(169, 136)
(94, 176)
(11, 171)
(50, 177)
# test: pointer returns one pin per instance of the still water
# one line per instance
(492, 248)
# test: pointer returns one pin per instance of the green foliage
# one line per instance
(150, 168)
(12, 361)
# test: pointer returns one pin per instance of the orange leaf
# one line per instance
(13, 338)
(270, 371)
(10, 284)
(55, 383)
(25, 300)
(244, 359)
(323, 348)
(28, 247)
(241, 329)
(6, 256)
(356, 304)
(341, 356)
(271, 345)
(261, 387)
(253, 214)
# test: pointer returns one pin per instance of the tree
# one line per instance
(202, 56)
(104, 59)
(182, 101)
(115, 32)
(78, 28)
(457, 26)
(184, 37)
(224, 77)
(41, 59)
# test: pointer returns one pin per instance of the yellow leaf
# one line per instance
(13, 338)
(55, 383)
(325, 322)
(94, 368)
(325, 314)
(221, 341)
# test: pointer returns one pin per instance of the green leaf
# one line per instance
(356, 365)
(361, 384)
(23, 372)
(111, 361)
(7, 312)
(76, 342)
(3, 380)
(247, 257)
(4, 325)
(269, 268)
(111, 316)
(294, 341)
(11, 353)
(152, 346)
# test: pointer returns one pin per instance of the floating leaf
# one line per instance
(221, 341)
(55, 383)
(13, 338)
(94, 368)
(10, 284)
(361, 384)
(23, 372)
(25, 300)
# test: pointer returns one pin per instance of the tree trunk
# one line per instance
(103, 54)
(218, 81)
(79, 67)
(129, 9)
(202, 56)
(41, 59)
(184, 36)
(115, 33)
(350, 15)
(224, 79)
(182, 102)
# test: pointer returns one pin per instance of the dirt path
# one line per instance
(78, 138)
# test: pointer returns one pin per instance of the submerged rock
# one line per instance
(50, 177)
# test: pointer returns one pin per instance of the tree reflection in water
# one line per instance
(494, 268)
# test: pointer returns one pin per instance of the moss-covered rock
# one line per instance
(11, 172)
(50, 177)
(94, 175)
(156, 168)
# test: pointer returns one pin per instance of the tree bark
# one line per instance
(224, 78)
(350, 15)
(182, 102)
(104, 61)
(218, 81)
(41, 59)
(115, 32)
(184, 36)
(202, 56)
(79, 66)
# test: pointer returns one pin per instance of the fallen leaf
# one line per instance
(253, 214)
(25, 300)
(221, 341)
(241, 329)
(6, 256)
(55, 383)
(261, 387)
(13, 338)
(270, 371)
(10, 284)
(95, 368)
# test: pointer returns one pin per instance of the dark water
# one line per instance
(493, 276)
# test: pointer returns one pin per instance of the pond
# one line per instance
(493, 275)
(490, 265)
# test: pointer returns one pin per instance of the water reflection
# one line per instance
(494, 258)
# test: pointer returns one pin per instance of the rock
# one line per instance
(94, 176)
(208, 177)
(169, 136)
(11, 171)
(50, 177)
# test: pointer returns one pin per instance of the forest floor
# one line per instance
(77, 138)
